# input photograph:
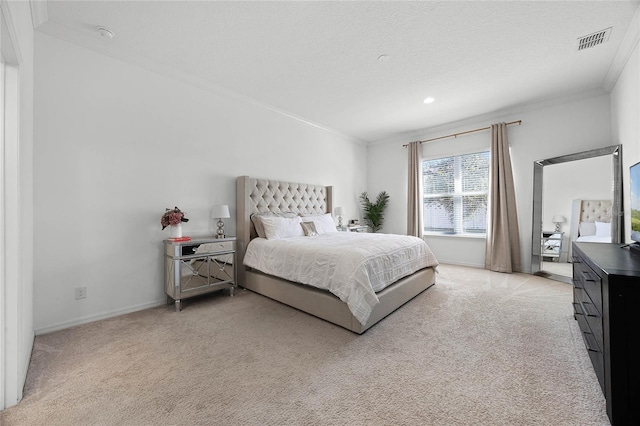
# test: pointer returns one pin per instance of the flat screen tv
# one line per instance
(635, 202)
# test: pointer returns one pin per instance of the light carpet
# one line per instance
(478, 348)
(558, 268)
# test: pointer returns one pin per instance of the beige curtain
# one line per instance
(414, 208)
(503, 240)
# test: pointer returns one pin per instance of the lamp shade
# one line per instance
(220, 212)
(558, 219)
(340, 211)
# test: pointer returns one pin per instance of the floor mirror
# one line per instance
(561, 187)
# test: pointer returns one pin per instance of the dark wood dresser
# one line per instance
(606, 303)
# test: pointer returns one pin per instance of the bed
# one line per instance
(590, 222)
(263, 196)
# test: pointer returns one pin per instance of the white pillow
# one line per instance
(324, 223)
(278, 228)
(256, 218)
(587, 229)
(603, 229)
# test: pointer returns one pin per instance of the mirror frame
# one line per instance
(617, 212)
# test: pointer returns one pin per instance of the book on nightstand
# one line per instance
(179, 239)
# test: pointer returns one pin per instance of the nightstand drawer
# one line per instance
(218, 247)
(207, 248)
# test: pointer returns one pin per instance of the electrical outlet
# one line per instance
(81, 293)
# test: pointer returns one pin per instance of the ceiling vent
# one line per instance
(592, 40)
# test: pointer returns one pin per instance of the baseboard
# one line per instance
(473, 265)
(456, 263)
(91, 318)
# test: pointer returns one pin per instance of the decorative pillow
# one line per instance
(324, 223)
(256, 218)
(309, 229)
(278, 228)
(603, 229)
(587, 228)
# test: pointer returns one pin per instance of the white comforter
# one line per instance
(353, 266)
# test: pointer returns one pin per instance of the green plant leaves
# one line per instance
(373, 213)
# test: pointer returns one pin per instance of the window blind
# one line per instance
(456, 194)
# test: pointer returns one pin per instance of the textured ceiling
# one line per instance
(318, 60)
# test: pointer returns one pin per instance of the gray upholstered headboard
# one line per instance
(588, 211)
(595, 210)
(264, 195)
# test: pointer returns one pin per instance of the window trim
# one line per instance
(457, 196)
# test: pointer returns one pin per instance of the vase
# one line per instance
(176, 231)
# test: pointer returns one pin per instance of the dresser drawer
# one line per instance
(584, 277)
(577, 298)
(594, 321)
(596, 356)
(576, 265)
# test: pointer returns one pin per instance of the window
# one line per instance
(456, 194)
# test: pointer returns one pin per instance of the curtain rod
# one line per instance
(455, 135)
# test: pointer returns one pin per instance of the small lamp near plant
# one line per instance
(340, 212)
(218, 213)
(558, 219)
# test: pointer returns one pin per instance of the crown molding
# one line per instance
(629, 43)
(98, 44)
(10, 51)
(39, 12)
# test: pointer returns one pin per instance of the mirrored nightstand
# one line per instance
(353, 228)
(199, 266)
(552, 244)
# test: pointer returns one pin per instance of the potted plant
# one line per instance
(374, 212)
(174, 218)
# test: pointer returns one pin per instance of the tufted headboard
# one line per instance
(588, 211)
(593, 210)
(263, 195)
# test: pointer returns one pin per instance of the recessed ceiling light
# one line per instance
(429, 100)
(383, 58)
(105, 32)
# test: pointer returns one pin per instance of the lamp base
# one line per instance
(220, 233)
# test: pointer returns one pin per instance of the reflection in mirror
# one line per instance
(574, 194)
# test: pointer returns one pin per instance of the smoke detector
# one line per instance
(105, 32)
(594, 39)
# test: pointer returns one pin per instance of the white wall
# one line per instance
(116, 144)
(625, 118)
(545, 132)
(18, 208)
(565, 182)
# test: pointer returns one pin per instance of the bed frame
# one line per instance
(262, 196)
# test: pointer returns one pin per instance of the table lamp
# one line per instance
(340, 212)
(558, 219)
(220, 212)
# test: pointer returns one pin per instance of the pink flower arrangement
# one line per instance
(172, 217)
